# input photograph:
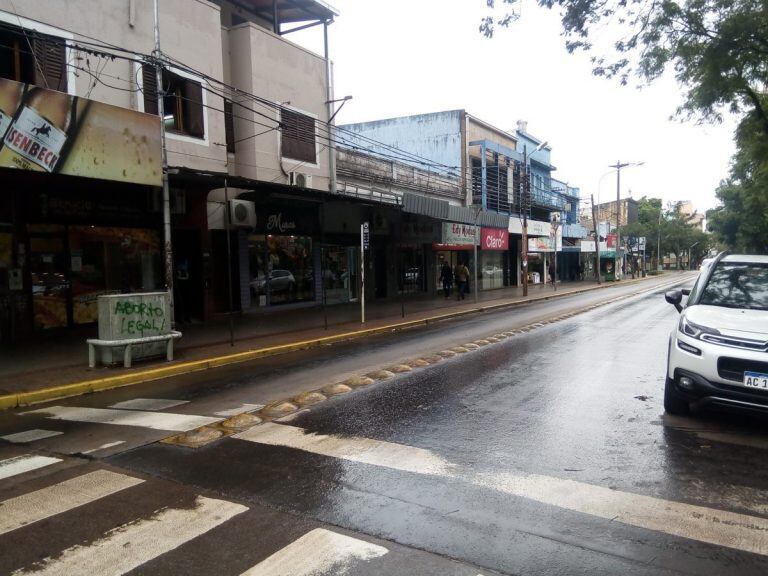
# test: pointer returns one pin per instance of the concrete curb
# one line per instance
(9, 401)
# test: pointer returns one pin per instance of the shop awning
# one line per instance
(444, 210)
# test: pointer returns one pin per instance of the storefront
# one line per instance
(494, 258)
(283, 255)
(79, 210)
(456, 247)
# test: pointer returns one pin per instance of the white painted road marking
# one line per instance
(355, 449)
(61, 497)
(317, 552)
(738, 531)
(239, 410)
(153, 420)
(20, 464)
(104, 447)
(152, 404)
(728, 529)
(131, 545)
(30, 436)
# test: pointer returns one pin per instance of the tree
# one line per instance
(678, 235)
(717, 49)
(740, 223)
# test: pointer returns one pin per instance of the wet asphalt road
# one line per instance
(547, 453)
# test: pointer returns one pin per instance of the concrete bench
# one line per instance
(94, 343)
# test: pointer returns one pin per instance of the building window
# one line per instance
(33, 58)
(182, 102)
(298, 136)
(229, 126)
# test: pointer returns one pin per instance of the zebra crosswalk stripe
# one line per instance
(317, 552)
(26, 463)
(363, 450)
(700, 523)
(46, 502)
(153, 420)
(131, 545)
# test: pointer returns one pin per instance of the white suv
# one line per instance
(718, 353)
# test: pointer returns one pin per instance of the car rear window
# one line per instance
(737, 285)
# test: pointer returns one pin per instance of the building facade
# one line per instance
(246, 124)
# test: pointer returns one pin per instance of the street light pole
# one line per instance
(524, 209)
(618, 166)
(555, 225)
(167, 241)
(476, 284)
(525, 198)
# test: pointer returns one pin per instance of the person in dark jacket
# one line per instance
(446, 277)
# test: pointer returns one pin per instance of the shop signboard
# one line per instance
(611, 241)
(535, 227)
(546, 243)
(494, 239)
(458, 237)
(48, 131)
(587, 245)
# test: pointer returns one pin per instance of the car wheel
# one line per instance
(673, 403)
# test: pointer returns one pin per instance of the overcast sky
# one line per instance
(401, 57)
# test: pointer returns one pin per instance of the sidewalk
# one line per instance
(40, 365)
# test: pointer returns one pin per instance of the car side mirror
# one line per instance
(674, 297)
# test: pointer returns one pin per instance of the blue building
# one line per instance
(486, 162)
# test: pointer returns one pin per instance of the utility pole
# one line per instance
(618, 166)
(168, 246)
(597, 239)
(475, 284)
(524, 191)
(555, 225)
(659, 265)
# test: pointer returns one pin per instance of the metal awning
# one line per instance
(444, 210)
(291, 11)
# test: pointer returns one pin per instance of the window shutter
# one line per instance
(149, 81)
(51, 63)
(298, 136)
(229, 126)
(193, 109)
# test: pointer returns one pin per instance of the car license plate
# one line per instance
(755, 380)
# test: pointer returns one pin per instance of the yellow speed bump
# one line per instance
(381, 375)
(358, 381)
(417, 363)
(309, 398)
(335, 389)
(195, 438)
(277, 409)
(399, 368)
(244, 420)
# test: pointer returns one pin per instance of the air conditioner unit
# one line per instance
(242, 213)
(300, 179)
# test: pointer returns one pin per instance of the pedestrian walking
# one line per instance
(462, 279)
(552, 272)
(446, 277)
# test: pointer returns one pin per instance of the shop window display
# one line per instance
(281, 269)
(492, 270)
(71, 266)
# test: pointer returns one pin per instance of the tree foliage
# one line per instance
(717, 49)
(740, 223)
(672, 226)
(718, 52)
